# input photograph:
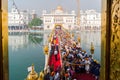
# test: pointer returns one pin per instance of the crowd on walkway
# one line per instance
(75, 60)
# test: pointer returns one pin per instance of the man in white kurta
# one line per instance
(87, 65)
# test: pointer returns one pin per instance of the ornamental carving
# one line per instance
(115, 41)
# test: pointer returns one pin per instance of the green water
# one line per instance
(26, 49)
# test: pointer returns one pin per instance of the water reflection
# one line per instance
(18, 40)
(24, 50)
(35, 38)
(90, 36)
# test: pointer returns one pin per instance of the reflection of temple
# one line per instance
(18, 41)
(58, 16)
(88, 37)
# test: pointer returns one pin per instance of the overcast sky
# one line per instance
(49, 5)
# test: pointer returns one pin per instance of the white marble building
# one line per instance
(90, 20)
(58, 17)
(16, 18)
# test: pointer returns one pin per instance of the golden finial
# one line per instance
(72, 34)
(32, 75)
(41, 75)
(32, 69)
(49, 39)
(92, 48)
(78, 39)
(46, 49)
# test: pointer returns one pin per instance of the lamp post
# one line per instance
(79, 40)
(92, 49)
(32, 75)
(78, 13)
(46, 49)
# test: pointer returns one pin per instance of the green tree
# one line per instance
(35, 22)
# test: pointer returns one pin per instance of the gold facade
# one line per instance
(4, 36)
(1, 56)
(103, 40)
(115, 41)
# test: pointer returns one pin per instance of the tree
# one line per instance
(35, 22)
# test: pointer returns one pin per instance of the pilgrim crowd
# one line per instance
(75, 60)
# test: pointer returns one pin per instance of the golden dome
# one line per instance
(59, 8)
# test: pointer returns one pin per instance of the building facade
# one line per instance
(90, 20)
(17, 20)
(58, 17)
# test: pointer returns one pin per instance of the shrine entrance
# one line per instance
(58, 26)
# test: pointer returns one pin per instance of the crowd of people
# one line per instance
(75, 60)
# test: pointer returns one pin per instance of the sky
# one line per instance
(49, 5)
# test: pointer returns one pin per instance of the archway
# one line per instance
(58, 26)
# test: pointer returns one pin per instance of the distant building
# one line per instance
(58, 17)
(33, 14)
(90, 20)
(18, 19)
